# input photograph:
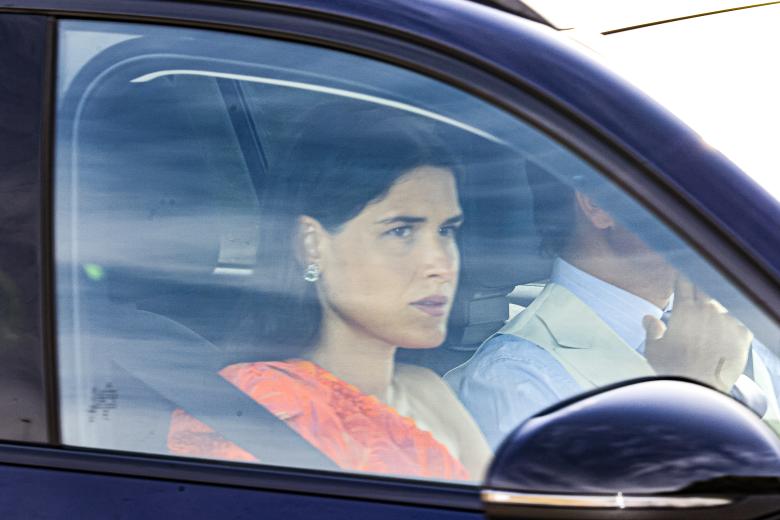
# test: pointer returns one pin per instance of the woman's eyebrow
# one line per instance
(403, 219)
(457, 219)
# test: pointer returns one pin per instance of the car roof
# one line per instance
(606, 16)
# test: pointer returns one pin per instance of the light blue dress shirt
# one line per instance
(510, 379)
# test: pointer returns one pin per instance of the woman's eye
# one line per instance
(448, 231)
(400, 231)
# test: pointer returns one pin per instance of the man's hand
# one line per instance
(701, 342)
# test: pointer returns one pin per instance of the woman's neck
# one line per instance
(356, 358)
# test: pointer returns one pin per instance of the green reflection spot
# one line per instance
(94, 272)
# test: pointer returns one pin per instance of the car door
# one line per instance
(150, 139)
(78, 483)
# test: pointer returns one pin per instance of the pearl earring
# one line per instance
(312, 273)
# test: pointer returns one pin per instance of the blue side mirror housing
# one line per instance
(665, 447)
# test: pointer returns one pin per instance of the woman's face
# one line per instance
(390, 273)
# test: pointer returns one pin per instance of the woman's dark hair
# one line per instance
(345, 156)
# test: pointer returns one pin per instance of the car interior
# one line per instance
(156, 299)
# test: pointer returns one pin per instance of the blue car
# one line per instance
(399, 259)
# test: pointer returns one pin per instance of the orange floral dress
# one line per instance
(356, 431)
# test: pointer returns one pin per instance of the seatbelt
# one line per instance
(205, 395)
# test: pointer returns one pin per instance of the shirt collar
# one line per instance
(621, 310)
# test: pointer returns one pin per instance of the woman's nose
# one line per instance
(442, 259)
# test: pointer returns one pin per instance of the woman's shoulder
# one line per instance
(430, 401)
(424, 382)
(424, 387)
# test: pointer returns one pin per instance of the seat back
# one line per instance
(158, 198)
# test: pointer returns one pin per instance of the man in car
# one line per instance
(601, 319)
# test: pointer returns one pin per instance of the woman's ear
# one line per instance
(598, 218)
(309, 241)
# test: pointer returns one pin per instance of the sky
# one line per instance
(718, 73)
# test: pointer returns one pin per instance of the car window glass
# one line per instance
(246, 229)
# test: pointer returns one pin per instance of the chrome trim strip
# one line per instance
(322, 89)
(233, 271)
(617, 501)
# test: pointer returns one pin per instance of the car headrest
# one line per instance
(151, 182)
(499, 240)
(499, 248)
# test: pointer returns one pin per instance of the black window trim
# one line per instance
(645, 185)
(32, 94)
(49, 310)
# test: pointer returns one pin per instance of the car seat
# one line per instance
(146, 254)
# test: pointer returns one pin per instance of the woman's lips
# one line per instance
(432, 305)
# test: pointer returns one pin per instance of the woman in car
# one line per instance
(358, 257)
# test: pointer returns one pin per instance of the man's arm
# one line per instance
(771, 362)
(508, 380)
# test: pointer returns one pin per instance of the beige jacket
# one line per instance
(591, 352)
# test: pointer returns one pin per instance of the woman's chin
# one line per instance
(423, 341)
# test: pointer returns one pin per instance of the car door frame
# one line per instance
(525, 84)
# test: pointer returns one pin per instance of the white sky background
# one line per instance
(604, 15)
(720, 74)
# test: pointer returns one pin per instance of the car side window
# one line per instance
(269, 252)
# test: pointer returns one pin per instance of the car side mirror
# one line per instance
(651, 448)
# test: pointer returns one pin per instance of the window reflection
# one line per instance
(263, 262)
